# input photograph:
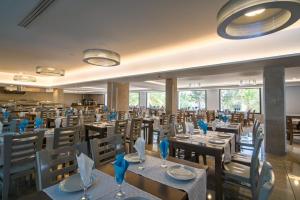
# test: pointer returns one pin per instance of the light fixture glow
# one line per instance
(101, 57)
(49, 71)
(255, 12)
(247, 82)
(24, 78)
(249, 19)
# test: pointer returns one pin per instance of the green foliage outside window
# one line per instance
(134, 99)
(192, 99)
(156, 99)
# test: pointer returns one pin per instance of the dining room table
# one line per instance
(220, 145)
(139, 183)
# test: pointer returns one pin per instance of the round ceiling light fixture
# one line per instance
(24, 78)
(254, 18)
(101, 57)
(49, 71)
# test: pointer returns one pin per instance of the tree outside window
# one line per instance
(134, 99)
(156, 99)
(192, 99)
(240, 99)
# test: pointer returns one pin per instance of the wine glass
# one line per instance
(164, 152)
(119, 177)
(86, 183)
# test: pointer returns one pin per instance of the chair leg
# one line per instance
(204, 159)
(5, 188)
(291, 138)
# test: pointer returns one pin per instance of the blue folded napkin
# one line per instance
(6, 114)
(39, 122)
(23, 124)
(120, 167)
(203, 126)
(113, 116)
(225, 118)
(164, 148)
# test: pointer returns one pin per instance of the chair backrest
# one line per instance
(135, 128)
(87, 119)
(210, 115)
(121, 127)
(180, 128)
(121, 115)
(266, 182)
(256, 126)
(254, 166)
(237, 117)
(104, 150)
(11, 127)
(20, 150)
(72, 121)
(165, 121)
(30, 126)
(66, 136)
(180, 117)
(54, 165)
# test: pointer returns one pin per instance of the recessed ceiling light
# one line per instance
(49, 71)
(255, 12)
(248, 18)
(101, 57)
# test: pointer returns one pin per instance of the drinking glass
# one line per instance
(86, 182)
(164, 156)
(119, 177)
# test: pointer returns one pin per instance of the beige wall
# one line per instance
(41, 96)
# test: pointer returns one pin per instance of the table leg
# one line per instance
(150, 133)
(218, 176)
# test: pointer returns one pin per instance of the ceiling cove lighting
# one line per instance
(254, 18)
(49, 71)
(101, 57)
(24, 78)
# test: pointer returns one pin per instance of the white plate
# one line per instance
(180, 172)
(224, 135)
(73, 184)
(216, 141)
(182, 136)
(132, 158)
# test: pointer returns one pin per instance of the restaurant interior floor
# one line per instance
(286, 169)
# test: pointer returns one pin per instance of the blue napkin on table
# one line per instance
(164, 148)
(6, 114)
(203, 126)
(120, 167)
(23, 124)
(225, 118)
(113, 116)
(38, 122)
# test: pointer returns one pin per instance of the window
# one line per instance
(190, 99)
(240, 99)
(156, 99)
(134, 99)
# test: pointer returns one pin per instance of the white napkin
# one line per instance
(140, 147)
(57, 122)
(189, 126)
(1, 127)
(85, 165)
(98, 117)
(156, 123)
(57, 113)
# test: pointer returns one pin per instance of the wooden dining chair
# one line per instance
(266, 182)
(104, 150)
(121, 127)
(242, 174)
(55, 165)
(180, 128)
(19, 157)
(292, 129)
(210, 115)
(72, 121)
(68, 136)
(180, 117)
(165, 128)
(135, 132)
(11, 127)
(249, 142)
(121, 115)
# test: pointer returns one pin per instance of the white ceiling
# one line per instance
(151, 36)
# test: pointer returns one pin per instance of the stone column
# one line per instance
(171, 96)
(274, 106)
(58, 95)
(118, 96)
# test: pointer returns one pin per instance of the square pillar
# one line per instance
(118, 96)
(58, 95)
(171, 96)
(274, 101)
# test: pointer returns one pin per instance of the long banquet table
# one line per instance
(199, 144)
(152, 187)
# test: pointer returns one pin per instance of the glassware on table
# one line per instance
(120, 167)
(164, 151)
(86, 183)
(119, 177)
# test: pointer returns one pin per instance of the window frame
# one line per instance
(259, 89)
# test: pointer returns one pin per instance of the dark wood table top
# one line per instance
(157, 189)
